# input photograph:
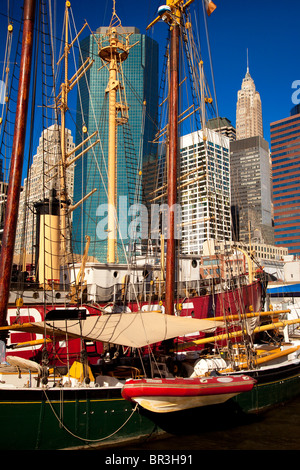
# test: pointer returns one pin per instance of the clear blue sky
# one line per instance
(269, 29)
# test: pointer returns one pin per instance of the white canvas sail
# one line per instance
(127, 329)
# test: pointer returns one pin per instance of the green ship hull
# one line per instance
(274, 386)
(76, 418)
(69, 419)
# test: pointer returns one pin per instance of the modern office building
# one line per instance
(250, 174)
(138, 83)
(39, 185)
(222, 125)
(205, 190)
(248, 110)
(285, 148)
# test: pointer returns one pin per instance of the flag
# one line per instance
(209, 6)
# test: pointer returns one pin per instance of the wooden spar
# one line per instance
(257, 361)
(172, 167)
(234, 334)
(34, 342)
(16, 167)
(62, 167)
(270, 357)
(248, 315)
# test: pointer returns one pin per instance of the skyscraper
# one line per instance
(248, 110)
(250, 176)
(205, 195)
(139, 86)
(204, 176)
(285, 147)
(223, 126)
(41, 180)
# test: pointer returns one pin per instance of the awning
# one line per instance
(127, 329)
(286, 290)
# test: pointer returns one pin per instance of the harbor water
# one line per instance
(276, 429)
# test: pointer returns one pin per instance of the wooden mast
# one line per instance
(113, 55)
(112, 89)
(16, 168)
(172, 164)
(63, 108)
(68, 158)
(171, 13)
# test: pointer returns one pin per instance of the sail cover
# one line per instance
(127, 329)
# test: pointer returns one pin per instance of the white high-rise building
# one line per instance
(204, 190)
(42, 180)
(248, 110)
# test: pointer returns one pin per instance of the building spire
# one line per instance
(247, 73)
(247, 61)
(248, 109)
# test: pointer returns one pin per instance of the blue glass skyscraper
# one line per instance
(140, 91)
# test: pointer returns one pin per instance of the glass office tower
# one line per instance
(251, 202)
(139, 88)
(285, 146)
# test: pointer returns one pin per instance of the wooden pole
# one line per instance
(234, 334)
(62, 167)
(15, 177)
(111, 218)
(172, 168)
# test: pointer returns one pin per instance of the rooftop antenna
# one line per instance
(247, 61)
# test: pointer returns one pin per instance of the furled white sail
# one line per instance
(127, 329)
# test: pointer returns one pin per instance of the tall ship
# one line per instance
(102, 353)
(51, 269)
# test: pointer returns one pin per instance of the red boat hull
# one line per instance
(186, 387)
(172, 395)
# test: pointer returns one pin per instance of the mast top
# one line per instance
(171, 11)
(118, 45)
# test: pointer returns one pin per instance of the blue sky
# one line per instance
(269, 29)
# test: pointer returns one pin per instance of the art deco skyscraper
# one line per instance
(248, 110)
